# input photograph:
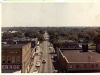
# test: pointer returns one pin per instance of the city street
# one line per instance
(48, 66)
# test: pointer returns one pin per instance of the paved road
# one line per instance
(48, 66)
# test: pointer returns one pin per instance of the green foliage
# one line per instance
(91, 32)
(41, 31)
(40, 37)
(98, 36)
(55, 33)
(56, 44)
(7, 35)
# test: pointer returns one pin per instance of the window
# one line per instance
(70, 66)
(3, 59)
(13, 59)
(10, 52)
(77, 66)
(18, 59)
(8, 59)
(13, 52)
(97, 65)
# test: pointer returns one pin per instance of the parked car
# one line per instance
(43, 61)
(35, 71)
(39, 61)
(50, 48)
(52, 57)
(36, 53)
(41, 52)
(38, 64)
(55, 71)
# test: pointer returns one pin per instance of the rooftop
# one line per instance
(79, 56)
(69, 44)
(65, 41)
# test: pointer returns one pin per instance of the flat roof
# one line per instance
(13, 46)
(79, 56)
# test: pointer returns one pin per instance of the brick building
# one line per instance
(68, 44)
(33, 41)
(77, 60)
(98, 45)
(16, 57)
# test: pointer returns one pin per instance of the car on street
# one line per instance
(36, 53)
(52, 57)
(43, 61)
(39, 61)
(55, 71)
(38, 64)
(35, 71)
(50, 48)
(41, 52)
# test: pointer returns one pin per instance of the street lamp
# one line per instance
(89, 61)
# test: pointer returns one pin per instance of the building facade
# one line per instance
(98, 45)
(76, 60)
(16, 57)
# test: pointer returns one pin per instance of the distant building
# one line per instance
(16, 57)
(81, 40)
(33, 41)
(68, 44)
(13, 31)
(98, 45)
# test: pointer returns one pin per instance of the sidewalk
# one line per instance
(37, 57)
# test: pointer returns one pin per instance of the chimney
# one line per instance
(85, 47)
(15, 42)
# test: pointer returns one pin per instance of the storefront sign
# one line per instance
(88, 66)
(14, 67)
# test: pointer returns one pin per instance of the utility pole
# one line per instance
(89, 61)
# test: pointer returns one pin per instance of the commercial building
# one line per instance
(98, 45)
(15, 40)
(79, 60)
(16, 57)
(81, 40)
(68, 44)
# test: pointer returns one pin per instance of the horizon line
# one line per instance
(52, 26)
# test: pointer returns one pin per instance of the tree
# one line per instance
(41, 31)
(56, 44)
(7, 35)
(73, 37)
(20, 34)
(40, 37)
(91, 32)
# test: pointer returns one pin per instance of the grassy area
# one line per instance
(92, 47)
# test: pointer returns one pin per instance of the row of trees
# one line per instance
(31, 32)
(70, 33)
(8, 35)
(56, 33)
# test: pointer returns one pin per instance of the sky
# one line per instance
(52, 14)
